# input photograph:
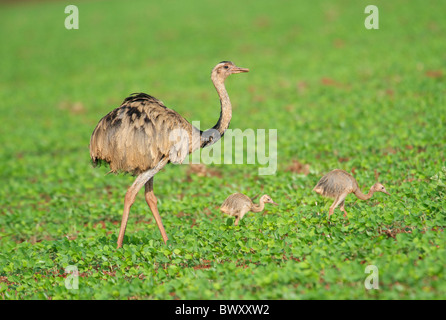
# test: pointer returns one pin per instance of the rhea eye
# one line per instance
(382, 188)
(226, 67)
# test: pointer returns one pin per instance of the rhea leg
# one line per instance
(341, 206)
(239, 216)
(152, 202)
(333, 206)
(338, 200)
(131, 195)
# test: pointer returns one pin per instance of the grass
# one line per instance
(340, 96)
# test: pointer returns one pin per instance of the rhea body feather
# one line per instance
(135, 137)
(335, 183)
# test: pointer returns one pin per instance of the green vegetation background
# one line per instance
(340, 96)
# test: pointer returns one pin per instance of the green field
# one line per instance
(371, 102)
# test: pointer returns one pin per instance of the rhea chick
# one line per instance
(238, 204)
(337, 184)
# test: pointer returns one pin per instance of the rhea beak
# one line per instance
(276, 204)
(239, 70)
(387, 193)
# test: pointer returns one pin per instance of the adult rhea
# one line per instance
(137, 138)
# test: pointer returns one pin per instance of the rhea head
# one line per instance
(378, 187)
(224, 69)
(267, 199)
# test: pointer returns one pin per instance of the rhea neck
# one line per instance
(258, 207)
(212, 135)
(363, 196)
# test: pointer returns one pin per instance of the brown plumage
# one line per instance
(142, 136)
(238, 204)
(135, 137)
(337, 184)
